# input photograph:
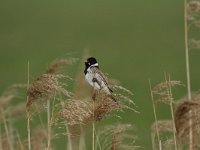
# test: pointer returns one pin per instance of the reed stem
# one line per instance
(155, 116)
(93, 129)
(6, 130)
(28, 113)
(172, 111)
(69, 146)
(48, 126)
(82, 138)
(20, 142)
(191, 144)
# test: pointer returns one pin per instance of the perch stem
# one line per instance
(191, 144)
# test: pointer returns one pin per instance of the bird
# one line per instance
(96, 78)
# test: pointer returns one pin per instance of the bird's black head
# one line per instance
(91, 61)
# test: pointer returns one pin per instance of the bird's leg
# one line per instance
(94, 94)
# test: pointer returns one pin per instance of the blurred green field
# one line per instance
(134, 41)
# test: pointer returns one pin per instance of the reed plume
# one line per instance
(162, 92)
(162, 126)
(47, 84)
(56, 65)
(9, 94)
(117, 137)
(188, 110)
(44, 87)
(38, 138)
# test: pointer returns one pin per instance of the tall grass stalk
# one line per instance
(160, 145)
(28, 130)
(93, 129)
(1, 144)
(155, 116)
(20, 141)
(9, 140)
(39, 116)
(11, 132)
(98, 141)
(82, 138)
(48, 125)
(172, 111)
(153, 140)
(188, 72)
(27, 111)
(50, 114)
(69, 142)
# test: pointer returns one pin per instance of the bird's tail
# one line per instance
(113, 97)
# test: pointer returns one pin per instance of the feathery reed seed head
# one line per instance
(162, 91)
(117, 137)
(75, 111)
(193, 8)
(162, 126)
(9, 94)
(56, 64)
(101, 110)
(83, 111)
(44, 87)
(185, 111)
(38, 138)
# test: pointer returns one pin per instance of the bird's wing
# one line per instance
(98, 74)
(100, 78)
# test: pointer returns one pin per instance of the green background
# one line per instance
(133, 40)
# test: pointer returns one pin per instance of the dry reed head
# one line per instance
(9, 94)
(5, 99)
(124, 98)
(44, 87)
(162, 126)
(4, 142)
(186, 111)
(85, 111)
(117, 137)
(193, 9)
(101, 110)
(18, 110)
(75, 111)
(193, 5)
(58, 63)
(194, 43)
(38, 139)
(121, 88)
(168, 144)
(103, 106)
(164, 85)
(162, 91)
(196, 96)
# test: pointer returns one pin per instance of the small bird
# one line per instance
(95, 77)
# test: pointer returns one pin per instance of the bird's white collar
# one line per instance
(94, 65)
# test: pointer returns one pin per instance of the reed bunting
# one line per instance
(95, 77)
